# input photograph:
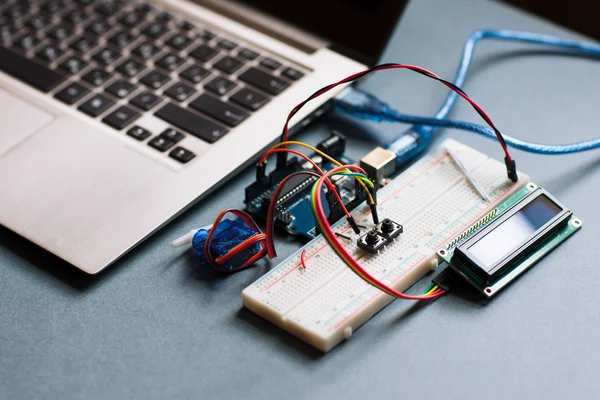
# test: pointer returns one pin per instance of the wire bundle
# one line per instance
(456, 91)
(279, 148)
(339, 249)
(246, 249)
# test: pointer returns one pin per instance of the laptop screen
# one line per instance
(357, 28)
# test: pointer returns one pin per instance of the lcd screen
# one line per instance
(521, 226)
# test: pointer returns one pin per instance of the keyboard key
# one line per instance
(173, 135)
(205, 34)
(73, 65)
(203, 53)
(108, 8)
(165, 17)
(139, 133)
(249, 99)
(50, 53)
(248, 54)
(132, 19)
(54, 6)
(98, 27)
(155, 31)
(146, 50)
(220, 86)
(107, 56)
(130, 68)
(179, 42)
(84, 45)
(121, 39)
(121, 117)
(155, 79)
(228, 65)
(219, 110)
(143, 8)
(271, 64)
(96, 77)
(192, 123)
(227, 44)
(27, 42)
(72, 93)
(161, 144)
(7, 32)
(76, 16)
(182, 155)
(264, 81)
(194, 74)
(145, 101)
(96, 105)
(60, 33)
(38, 22)
(121, 88)
(16, 11)
(292, 73)
(185, 25)
(170, 62)
(180, 91)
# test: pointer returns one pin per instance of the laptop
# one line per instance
(115, 116)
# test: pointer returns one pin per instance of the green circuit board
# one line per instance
(491, 288)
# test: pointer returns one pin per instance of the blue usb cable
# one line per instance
(360, 104)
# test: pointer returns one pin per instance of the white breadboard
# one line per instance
(326, 302)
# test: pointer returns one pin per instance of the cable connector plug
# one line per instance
(359, 103)
(353, 224)
(447, 279)
(373, 206)
(511, 169)
(374, 214)
(261, 171)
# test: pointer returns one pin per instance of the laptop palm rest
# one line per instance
(81, 193)
(19, 120)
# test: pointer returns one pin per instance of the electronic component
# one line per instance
(327, 302)
(230, 238)
(372, 241)
(389, 229)
(379, 164)
(295, 186)
(283, 216)
(382, 234)
(334, 145)
(507, 241)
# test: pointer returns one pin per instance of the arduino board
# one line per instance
(433, 201)
(293, 211)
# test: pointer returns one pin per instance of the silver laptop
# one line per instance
(115, 116)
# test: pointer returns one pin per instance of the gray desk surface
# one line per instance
(154, 327)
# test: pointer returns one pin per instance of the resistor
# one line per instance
(472, 228)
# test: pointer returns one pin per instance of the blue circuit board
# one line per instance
(302, 219)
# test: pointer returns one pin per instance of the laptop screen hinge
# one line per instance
(266, 24)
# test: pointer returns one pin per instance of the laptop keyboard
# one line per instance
(117, 60)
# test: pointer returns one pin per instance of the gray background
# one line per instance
(153, 326)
